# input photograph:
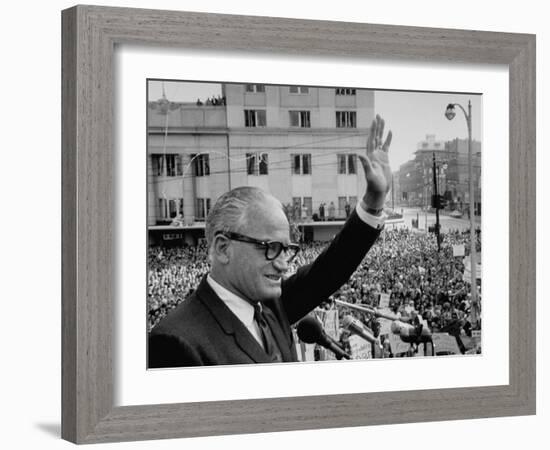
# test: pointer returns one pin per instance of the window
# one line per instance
(173, 207)
(342, 164)
(173, 166)
(163, 213)
(347, 164)
(254, 118)
(346, 119)
(342, 206)
(203, 208)
(298, 89)
(299, 119)
(170, 208)
(309, 205)
(263, 164)
(346, 205)
(169, 165)
(301, 164)
(345, 91)
(158, 165)
(254, 87)
(302, 207)
(201, 164)
(256, 164)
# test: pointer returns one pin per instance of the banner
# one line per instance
(459, 250)
(467, 267)
(384, 301)
(305, 352)
(397, 345)
(445, 343)
(329, 321)
(476, 342)
(360, 349)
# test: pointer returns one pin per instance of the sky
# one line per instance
(409, 115)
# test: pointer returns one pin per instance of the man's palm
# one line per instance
(376, 165)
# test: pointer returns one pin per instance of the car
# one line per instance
(455, 213)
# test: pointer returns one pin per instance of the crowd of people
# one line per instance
(173, 274)
(217, 100)
(404, 264)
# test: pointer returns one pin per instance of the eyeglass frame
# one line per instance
(250, 240)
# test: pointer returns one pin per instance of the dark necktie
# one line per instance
(270, 345)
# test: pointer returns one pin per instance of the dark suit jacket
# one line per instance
(202, 330)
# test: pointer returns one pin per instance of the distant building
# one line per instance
(416, 183)
(298, 143)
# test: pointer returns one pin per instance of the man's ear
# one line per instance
(222, 249)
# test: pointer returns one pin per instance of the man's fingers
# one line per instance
(366, 164)
(371, 139)
(380, 131)
(387, 144)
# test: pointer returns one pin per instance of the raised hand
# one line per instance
(376, 166)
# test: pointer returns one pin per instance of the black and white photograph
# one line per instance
(291, 223)
(194, 191)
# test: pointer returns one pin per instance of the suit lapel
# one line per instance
(282, 340)
(230, 324)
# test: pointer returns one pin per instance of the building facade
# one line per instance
(416, 177)
(298, 143)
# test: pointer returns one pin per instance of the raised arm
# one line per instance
(314, 283)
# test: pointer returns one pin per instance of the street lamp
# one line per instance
(450, 111)
(450, 114)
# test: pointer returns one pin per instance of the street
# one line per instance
(426, 220)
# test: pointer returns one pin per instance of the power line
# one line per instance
(283, 166)
(286, 147)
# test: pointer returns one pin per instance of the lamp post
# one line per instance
(450, 114)
(436, 204)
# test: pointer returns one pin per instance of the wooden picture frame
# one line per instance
(90, 34)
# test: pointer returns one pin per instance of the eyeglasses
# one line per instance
(272, 248)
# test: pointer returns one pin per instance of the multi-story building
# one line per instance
(299, 143)
(457, 181)
(416, 180)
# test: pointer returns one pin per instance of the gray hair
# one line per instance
(230, 211)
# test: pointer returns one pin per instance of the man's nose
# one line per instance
(281, 263)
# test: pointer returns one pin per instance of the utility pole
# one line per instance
(436, 204)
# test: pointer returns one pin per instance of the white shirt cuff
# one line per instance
(376, 222)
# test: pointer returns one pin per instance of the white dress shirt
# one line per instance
(376, 222)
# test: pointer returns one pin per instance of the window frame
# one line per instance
(300, 90)
(252, 118)
(303, 116)
(254, 161)
(346, 119)
(304, 161)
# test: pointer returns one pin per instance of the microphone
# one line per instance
(354, 326)
(410, 333)
(311, 332)
(368, 309)
(386, 315)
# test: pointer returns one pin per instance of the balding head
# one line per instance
(237, 208)
(240, 261)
